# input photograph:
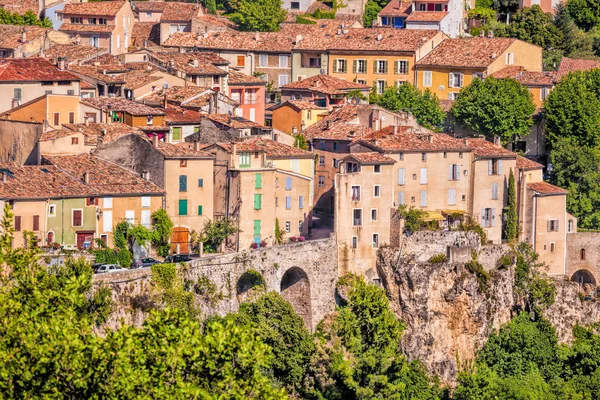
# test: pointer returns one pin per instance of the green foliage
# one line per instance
(531, 284)
(506, 261)
(423, 105)
(438, 258)
(481, 13)
(279, 233)
(162, 227)
(211, 6)
(505, 6)
(121, 234)
(319, 14)
(254, 279)
(414, 218)
(29, 18)
(300, 19)
(124, 257)
(510, 212)
(533, 25)
(170, 290)
(356, 95)
(300, 142)
(207, 289)
(258, 15)
(106, 256)
(475, 267)
(492, 106)
(372, 8)
(214, 233)
(585, 13)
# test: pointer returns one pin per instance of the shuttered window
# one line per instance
(77, 218)
(423, 198)
(301, 202)
(400, 198)
(257, 201)
(183, 183)
(146, 218)
(288, 202)
(423, 179)
(183, 207)
(258, 181)
(494, 191)
(18, 223)
(199, 210)
(288, 183)
(400, 176)
(451, 197)
(200, 182)
(36, 222)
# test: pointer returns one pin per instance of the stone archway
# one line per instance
(250, 284)
(295, 289)
(584, 277)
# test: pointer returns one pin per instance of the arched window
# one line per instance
(582, 254)
(50, 238)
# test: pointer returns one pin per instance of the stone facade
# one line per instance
(583, 257)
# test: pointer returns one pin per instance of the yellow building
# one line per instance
(381, 57)
(456, 62)
(539, 83)
(293, 116)
(55, 109)
(117, 109)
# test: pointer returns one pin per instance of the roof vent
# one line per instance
(86, 177)
(379, 37)
(256, 36)
(482, 33)
(352, 133)
(490, 34)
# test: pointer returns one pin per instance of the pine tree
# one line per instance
(510, 229)
(211, 6)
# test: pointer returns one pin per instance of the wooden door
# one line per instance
(83, 237)
(181, 239)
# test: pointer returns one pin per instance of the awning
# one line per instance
(453, 212)
(434, 216)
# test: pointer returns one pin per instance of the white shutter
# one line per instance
(427, 78)
(400, 176)
(499, 167)
(145, 201)
(494, 191)
(457, 172)
(107, 202)
(400, 198)
(451, 80)
(146, 218)
(423, 198)
(490, 167)
(493, 217)
(461, 79)
(107, 221)
(450, 172)
(423, 175)
(451, 197)
(130, 216)
(483, 218)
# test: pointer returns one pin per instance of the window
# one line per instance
(354, 242)
(288, 183)
(582, 254)
(145, 201)
(401, 198)
(183, 207)
(494, 191)
(423, 202)
(460, 155)
(376, 169)
(374, 214)
(400, 176)
(71, 117)
(301, 202)
(427, 78)
(56, 119)
(361, 81)
(288, 202)
(488, 217)
(118, 42)
(107, 202)
(183, 183)
(495, 167)
(148, 15)
(288, 226)
(375, 240)
(376, 191)
(360, 66)
(36, 222)
(313, 62)
(149, 119)
(216, 80)
(244, 160)
(336, 163)
(423, 176)
(176, 134)
(477, 75)
(70, 92)
(145, 219)
(295, 5)
(257, 230)
(183, 163)
(453, 172)
(340, 65)
(92, 21)
(544, 93)
(321, 181)
(335, 146)
(553, 225)
(423, 156)
(74, 140)
(380, 86)
(455, 79)
(509, 58)
(52, 210)
(355, 193)
(451, 197)
(357, 217)
(453, 95)
(283, 61)
(401, 67)
(241, 61)
(76, 20)
(77, 219)
(107, 221)
(321, 161)
(257, 201)
(17, 93)
(95, 41)
(18, 223)
(381, 66)
(422, 7)
(570, 226)
(263, 60)
(91, 201)
(552, 247)
(283, 80)
(351, 167)
(300, 226)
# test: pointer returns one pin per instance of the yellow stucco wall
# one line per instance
(285, 118)
(64, 145)
(548, 208)
(27, 210)
(371, 76)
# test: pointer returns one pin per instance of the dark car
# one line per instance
(145, 262)
(177, 258)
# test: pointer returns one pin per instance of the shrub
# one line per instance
(480, 273)
(124, 258)
(438, 259)
(414, 218)
(305, 21)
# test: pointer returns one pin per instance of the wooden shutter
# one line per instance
(71, 117)
(77, 218)
(335, 65)
(288, 183)
(493, 217)
(396, 67)
(56, 119)
(375, 71)
(451, 80)
(423, 198)
(257, 201)
(423, 179)
(451, 172)
(400, 176)
(400, 198)
(490, 167)
(257, 227)
(499, 167)
(18, 223)
(36, 222)
(385, 67)
(199, 210)
(457, 172)
(258, 181)
(183, 207)
(301, 202)
(182, 183)
(288, 202)
(354, 66)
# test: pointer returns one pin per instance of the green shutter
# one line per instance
(176, 136)
(354, 66)
(396, 67)
(183, 207)
(258, 181)
(257, 227)
(375, 67)
(257, 201)
(385, 67)
(335, 65)
(199, 210)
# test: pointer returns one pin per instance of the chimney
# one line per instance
(299, 38)
(379, 37)
(494, 55)
(87, 121)
(395, 129)
(146, 175)
(197, 146)
(86, 178)
(4, 177)
(145, 43)
(165, 103)
(103, 132)
(61, 63)
(497, 141)
(77, 39)
(24, 35)
(195, 62)
(490, 34)
(482, 33)
(256, 36)
(155, 141)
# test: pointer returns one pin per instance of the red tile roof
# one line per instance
(74, 52)
(485, 149)
(145, 32)
(323, 33)
(410, 139)
(21, 6)
(177, 115)
(340, 124)
(11, 35)
(271, 148)
(121, 104)
(371, 158)
(100, 8)
(147, 6)
(366, 39)
(192, 63)
(87, 27)
(568, 65)
(545, 188)
(238, 78)
(467, 52)
(232, 121)
(526, 78)
(396, 8)
(32, 70)
(426, 16)
(56, 134)
(175, 94)
(325, 84)
(527, 164)
(95, 132)
(105, 178)
(299, 105)
(179, 12)
(446, 104)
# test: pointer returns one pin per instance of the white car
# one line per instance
(104, 268)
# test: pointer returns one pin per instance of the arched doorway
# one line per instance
(295, 289)
(249, 284)
(584, 277)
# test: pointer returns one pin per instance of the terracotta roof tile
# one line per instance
(485, 149)
(545, 188)
(100, 8)
(32, 70)
(323, 33)
(318, 5)
(299, 105)
(527, 164)
(238, 78)
(170, 150)
(10, 35)
(568, 65)
(192, 63)
(178, 115)
(40, 182)
(121, 104)
(326, 84)
(426, 16)
(526, 78)
(396, 8)
(340, 124)
(105, 178)
(95, 73)
(74, 52)
(371, 158)
(271, 148)
(87, 27)
(95, 132)
(147, 6)
(410, 139)
(178, 11)
(56, 134)
(136, 79)
(20, 6)
(391, 39)
(177, 95)
(232, 121)
(467, 52)
(446, 104)
(145, 32)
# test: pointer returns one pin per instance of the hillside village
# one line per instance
(124, 108)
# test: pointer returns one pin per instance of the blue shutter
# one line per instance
(301, 201)
(200, 182)
(288, 183)
(288, 202)
(183, 183)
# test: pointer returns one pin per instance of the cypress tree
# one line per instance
(510, 229)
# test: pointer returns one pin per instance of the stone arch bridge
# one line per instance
(304, 273)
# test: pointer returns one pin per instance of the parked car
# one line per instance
(144, 263)
(107, 268)
(177, 258)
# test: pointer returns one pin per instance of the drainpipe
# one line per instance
(62, 229)
(534, 216)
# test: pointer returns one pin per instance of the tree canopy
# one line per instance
(258, 15)
(29, 18)
(500, 107)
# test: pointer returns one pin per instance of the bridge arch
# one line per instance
(583, 277)
(295, 289)
(248, 284)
